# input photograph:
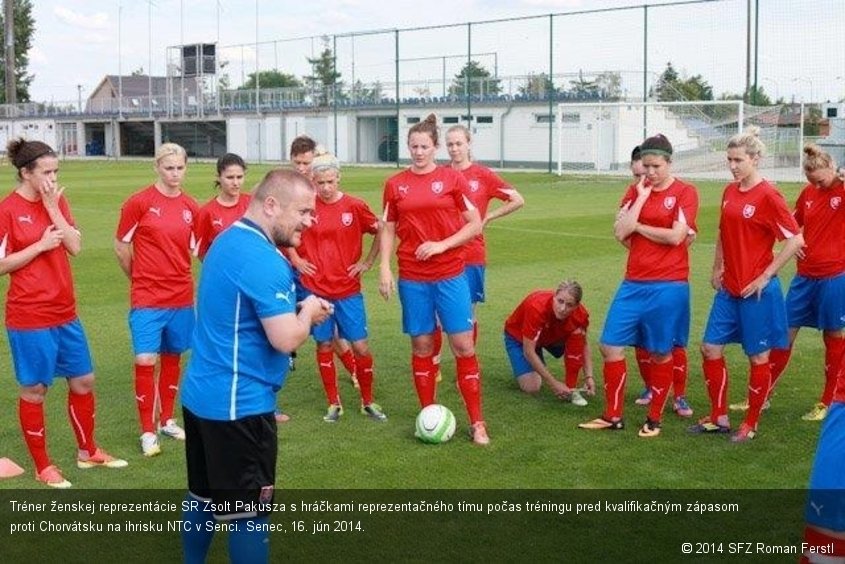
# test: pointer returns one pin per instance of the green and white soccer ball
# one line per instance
(435, 424)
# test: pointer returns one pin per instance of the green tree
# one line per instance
(368, 94)
(138, 72)
(671, 87)
(609, 84)
(271, 79)
(583, 88)
(323, 80)
(24, 29)
(537, 85)
(479, 79)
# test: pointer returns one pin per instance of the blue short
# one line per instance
(349, 318)
(447, 300)
(654, 316)
(161, 330)
(520, 364)
(826, 496)
(816, 302)
(759, 325)
(475, 278)
(39, 355)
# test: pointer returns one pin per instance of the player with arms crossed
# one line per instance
(154, 243)
(557, 321)
(427, 207)
(37, 233)
(248, 322)
(651, 309)
(331, 268)
(748, 307)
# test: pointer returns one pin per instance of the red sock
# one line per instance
(80, 410)
(364, 373)
(716, 378)
(438, 343)
(644, 363)
(679, 371)
(573, 358)
(347, 358)
(834, 347)
(778, 359)
(814, 538)
(328, 374)
(759, 381)
(168, 384)
(145, 396)
(424, 369)
(615, 374)
(469, 383)
(475, 332)
(34, 434)
(661, 381)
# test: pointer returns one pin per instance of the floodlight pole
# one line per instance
(9, 14)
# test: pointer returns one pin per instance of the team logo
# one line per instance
(748, 211)
(437, 187)
(25, 219)
(669, 202)
(403, 190)
(187, 216)
(217, 222)
(156, 211)
(834, 202)
(346, 219)
(473, 185)
(266, 495)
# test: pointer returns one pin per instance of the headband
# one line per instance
(660, 152)
(43, 153)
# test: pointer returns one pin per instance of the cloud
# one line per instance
(98, 20)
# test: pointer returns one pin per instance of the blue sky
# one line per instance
(77, 41)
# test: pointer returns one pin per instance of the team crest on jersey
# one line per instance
(473, 185)
(346, 219)
(669, 202)
(834, 202)
(748, 211)
(437, 187)
(187, 216)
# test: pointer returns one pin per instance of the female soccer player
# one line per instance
(45, 335)
(331, 267)
(651, 309)
(748, 307)
(428, 208)
(227, 206)
(154, 242)
(557, 321)
(816, 296)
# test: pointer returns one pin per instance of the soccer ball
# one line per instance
(435, 424)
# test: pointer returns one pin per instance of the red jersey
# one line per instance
(427, 207)
(484, 185)
(750, 223)
(650, 261)
(41, 293)
(213, 218)
(821, 214)
(161, 231)
(535, 319)
(333, 244)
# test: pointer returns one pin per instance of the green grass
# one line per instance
(564, 231)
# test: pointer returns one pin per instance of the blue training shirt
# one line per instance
(234, 372)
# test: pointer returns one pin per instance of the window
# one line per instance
(484, 119)
(412, 120)
(450, 119)
(571, 118)
(831, 112)
(544, 118)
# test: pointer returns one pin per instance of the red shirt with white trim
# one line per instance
(427, 207)
(534, 319)
(213, 218)
(821, 214)
(651, 261)
(161, 231)
(484, 185)
(40, 293)
(333, 243)
(749, 225)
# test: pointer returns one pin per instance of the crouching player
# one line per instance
(556, 321)
(331, 267)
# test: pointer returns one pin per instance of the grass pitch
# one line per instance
(564, 231)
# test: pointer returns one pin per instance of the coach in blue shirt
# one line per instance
(248, 322)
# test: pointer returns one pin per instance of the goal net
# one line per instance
(599, 137)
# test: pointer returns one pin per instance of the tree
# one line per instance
(583, 88)
(479, 78)
(271, 79)
(137, 72)
(609, 84)
(323, 81)
(24, 29)
(537, 86)
(672, 88)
